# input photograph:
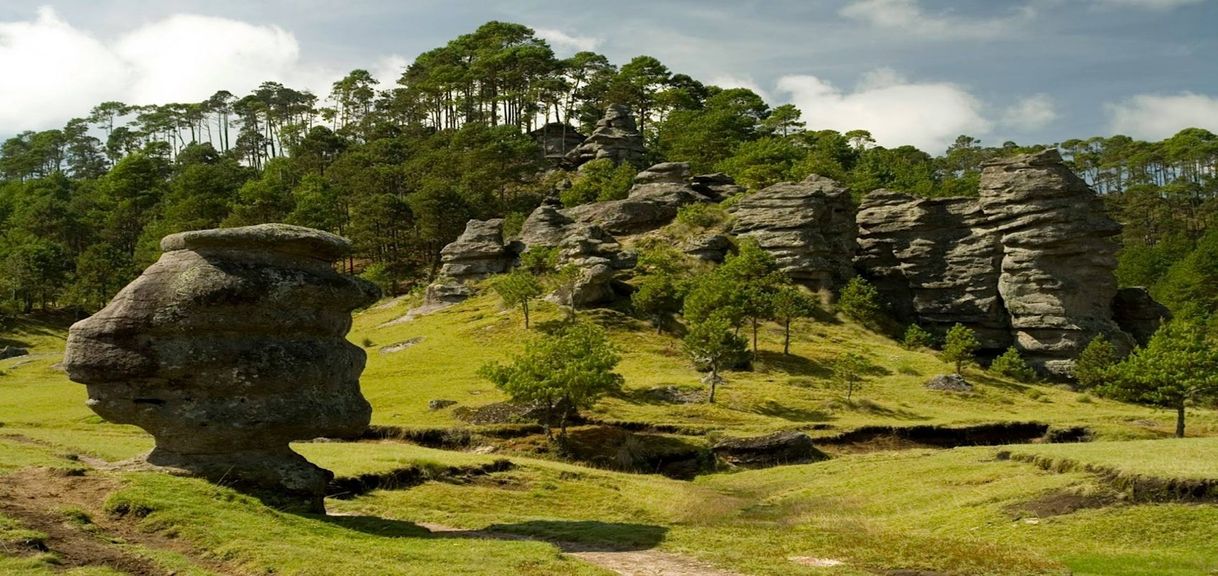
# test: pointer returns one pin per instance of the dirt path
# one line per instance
(623, 562)
(52, 502)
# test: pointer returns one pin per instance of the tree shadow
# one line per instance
(792, 364)
(793, 414)
(586, 535)
(979, 377)
(377, 526)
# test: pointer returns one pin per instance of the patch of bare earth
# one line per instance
(623, 562)
(40, 498)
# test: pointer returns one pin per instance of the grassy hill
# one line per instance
(1019, 509)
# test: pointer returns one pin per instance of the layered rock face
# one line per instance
(615, 137)
(478, 253)
(546, 226)
(808, 226)
(1030, 262)
(228, 348)
(599, 258)
(653, 201)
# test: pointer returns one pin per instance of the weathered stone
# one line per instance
(717, 186)
(1030, 262)
(1138, 314)
(228, 348)
(478, 253)
(808, 226)
(599, 258)
(615, 137)
(446, 291)
(772, 450)
(546, 226)
(557, 140)
(653, 201)
(949, 383)
(709, 247)
(440, 404)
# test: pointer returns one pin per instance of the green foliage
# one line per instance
(706, 135)
(702, 215)
(539, 259)
(377, 273)
(517, 288)
(573, 366)
(917, 337)
(850, 372)
(1179, 365)
(787, 304)
(713, 343)
(860, 301)
(1012, 365)
(598, 181)
(1094, 363)
(959, 346)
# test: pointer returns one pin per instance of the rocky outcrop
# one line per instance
(478, 253)
(935, 261)
(718, 186)
(1138, 314)
(949, 383)
(557, 139)
(709, 247)
(808, 226)
(599, 257)
(230, 346)
(653, 201)
(1029, 262)
(615, 137)
(546, 226)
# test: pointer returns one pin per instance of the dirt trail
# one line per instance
(48, 500)
(623, 562)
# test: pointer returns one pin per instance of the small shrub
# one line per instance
(513, 223)
(379, 274)
(539, 260)
(598, 181)
(860, 301)
(702, 215)
(917, 337)
(959, 346)
(1013, 366)
(1094, 363)
(368, 343)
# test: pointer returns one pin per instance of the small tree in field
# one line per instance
(564, 281)
(573, 366)
(1094, 363)
(917, 337)
(850, 370)
(517, 288)
(1178, 366)
(714, 344)
(1013, 366)
(790, 303)
(755, 279)
(860, 301)
(959, 346)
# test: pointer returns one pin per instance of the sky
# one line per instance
(914, 72)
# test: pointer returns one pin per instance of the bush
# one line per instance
(513, 223)
(917, 337)
(1013, 366)
(702, 215)
(1094, 363)
(598, 181)
(860, 301)
(377, 273)
(959, 346)
(539, 260)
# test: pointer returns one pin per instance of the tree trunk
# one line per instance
(525, 307)
(754, 339)
(714, 383)
(1180, 420)
(786, 337)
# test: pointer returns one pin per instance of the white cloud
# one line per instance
(562, 41)
(908, 17)
(729, 81)
(927, 115)
(54, 71)
(1155, 116)
(1147, 4)
(1031, 113)
(388, 69)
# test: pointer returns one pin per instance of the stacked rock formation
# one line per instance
(808, 226)
(478, 253)
(653, 201)
(228, 348)
(1030, 262)
(546, 226)
(599, 258)
(615, 137)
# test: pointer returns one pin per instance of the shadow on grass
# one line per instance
(981, 377)
(376, 526)
(586, 535)
(792, 364)
(793, 414)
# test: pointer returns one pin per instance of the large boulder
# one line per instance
(478, 253)
(599, 257)
(766, 451)
(1138, 314)
(658, 193)
(230, 346)
(1028, 263)
(546, 226)
(808, 226)
(557, 139)
(615, 137)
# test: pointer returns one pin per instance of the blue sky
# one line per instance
(911, 71)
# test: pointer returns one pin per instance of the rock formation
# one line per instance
(599, 258)
(557, 140)
(808, 226)
(546, 226)
(653, 201)
(717, 186)
(615, 137)
(1138, 314)
(478, 253)
(229, 347)
(708, 247)
(1030, 262)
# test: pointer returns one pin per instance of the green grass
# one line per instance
(1182, 458)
